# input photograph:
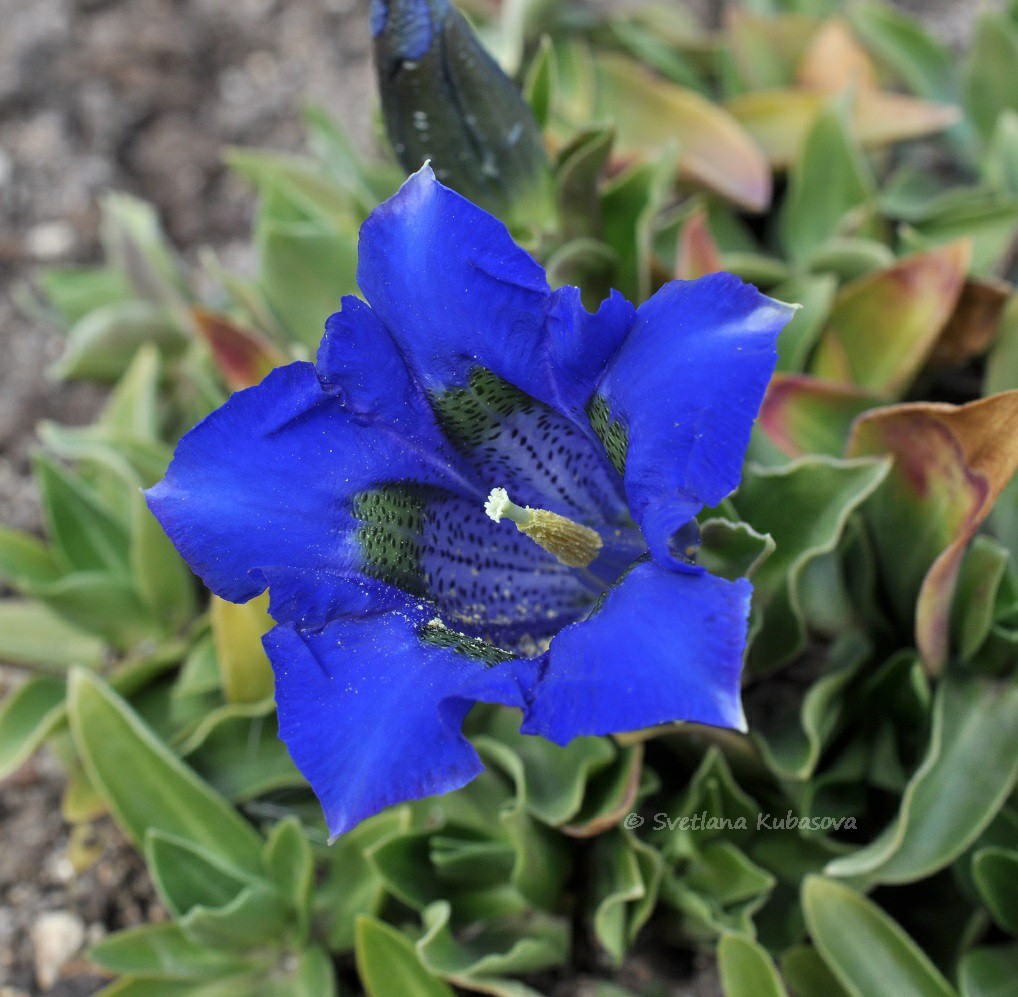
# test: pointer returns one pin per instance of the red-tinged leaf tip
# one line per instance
(242, 356)
(807, 415)
(698, 253)
(714, 149)
(885, 325)
(951, 464)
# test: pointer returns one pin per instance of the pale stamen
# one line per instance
(574, 545)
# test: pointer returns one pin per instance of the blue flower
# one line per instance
(359, 491)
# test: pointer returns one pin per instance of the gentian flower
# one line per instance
(363, 492)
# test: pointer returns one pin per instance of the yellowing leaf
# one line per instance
(778, 120)
(835, 60)
(951, 464)
(237, 632)
(648, 113)
(884, 325)
(804, 415)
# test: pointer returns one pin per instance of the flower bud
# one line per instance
(445, 99)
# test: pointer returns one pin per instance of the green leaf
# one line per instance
(310, 974)
(991, 86)
(163, 951)
(241, 754)
(829, 187)
(804, 507)
(290, 865)
(626, 877)
(27, 717)
(1000, 164)
(144, 986)
(25, 560)
(808, 975)
(747, 970)
(76, 291)
(578, 174)
(147, 786)
(986, 218)
(101, 345)
(649, 114)
(541, 83)
(256, 916)
(388, 965)
(497, 951)
(797, 339)
(187, 875)
(307, 266)
(995, 871)
(923, 63)
(733, 550)
(630, 205)
(81, 526)
(804, 415)
(792, 744)
(868, 952)
(989, 972)
(136, 245)
(161, 576)
(970, 768)
(975, 601)
(350, 885)
(103, 605)
(33, 636)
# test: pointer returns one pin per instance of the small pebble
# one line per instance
(56, 936)
(49, 240)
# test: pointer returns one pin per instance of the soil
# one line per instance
(141, 95)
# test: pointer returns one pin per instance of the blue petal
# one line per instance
(663, 646)
(371, 713)
(678, 401)
(457, 293)
(412, 24)
(269, 479)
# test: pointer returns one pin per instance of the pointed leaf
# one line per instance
(33, 636)
(649, 112)
(145, 785)
(951, 465)
(242, 355)
(886, 324)
(27, 717)
(747, 970)
(995, 871)
(829, 186)
(989, 972)
(779, 120)
(969, 770)
(387, 963)
(834, 60)
(237, 631)
(805, 415)
(870, 955)
(162, 951)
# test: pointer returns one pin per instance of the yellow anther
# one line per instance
(574, 545)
